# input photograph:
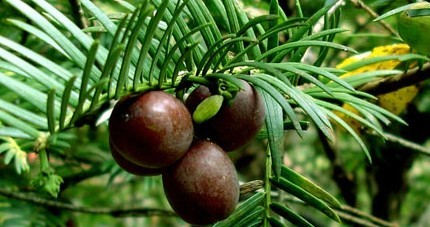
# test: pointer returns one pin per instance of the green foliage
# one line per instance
(12, 152)
(177, 46)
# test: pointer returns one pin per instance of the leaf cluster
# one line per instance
(173, 46)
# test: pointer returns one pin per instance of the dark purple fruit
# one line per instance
(196, 97)
(202, 187)
(193, 100)
(130, 166)
(236, 123)
(152, 130)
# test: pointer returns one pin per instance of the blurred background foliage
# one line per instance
(405, 172)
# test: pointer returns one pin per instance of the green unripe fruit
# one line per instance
(414, 30)
(208, 108)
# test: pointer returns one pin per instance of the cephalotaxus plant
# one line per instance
(175, 46)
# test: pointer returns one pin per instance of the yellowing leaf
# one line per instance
(351, 60)
(354, 124)
(396, 101)
(395, 49)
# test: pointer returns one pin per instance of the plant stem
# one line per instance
(299, 8)
(267, 187)
(198, 80)
(115, 212)
(78, 13)
(393, 83)
(249, 187)
(406, 143)
(44, 162)
(360, 4)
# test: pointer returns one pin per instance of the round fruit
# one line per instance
(203, 186)
(130, 166)
(193, 100)
(236, 123)
(196, 97)
(152, 130)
